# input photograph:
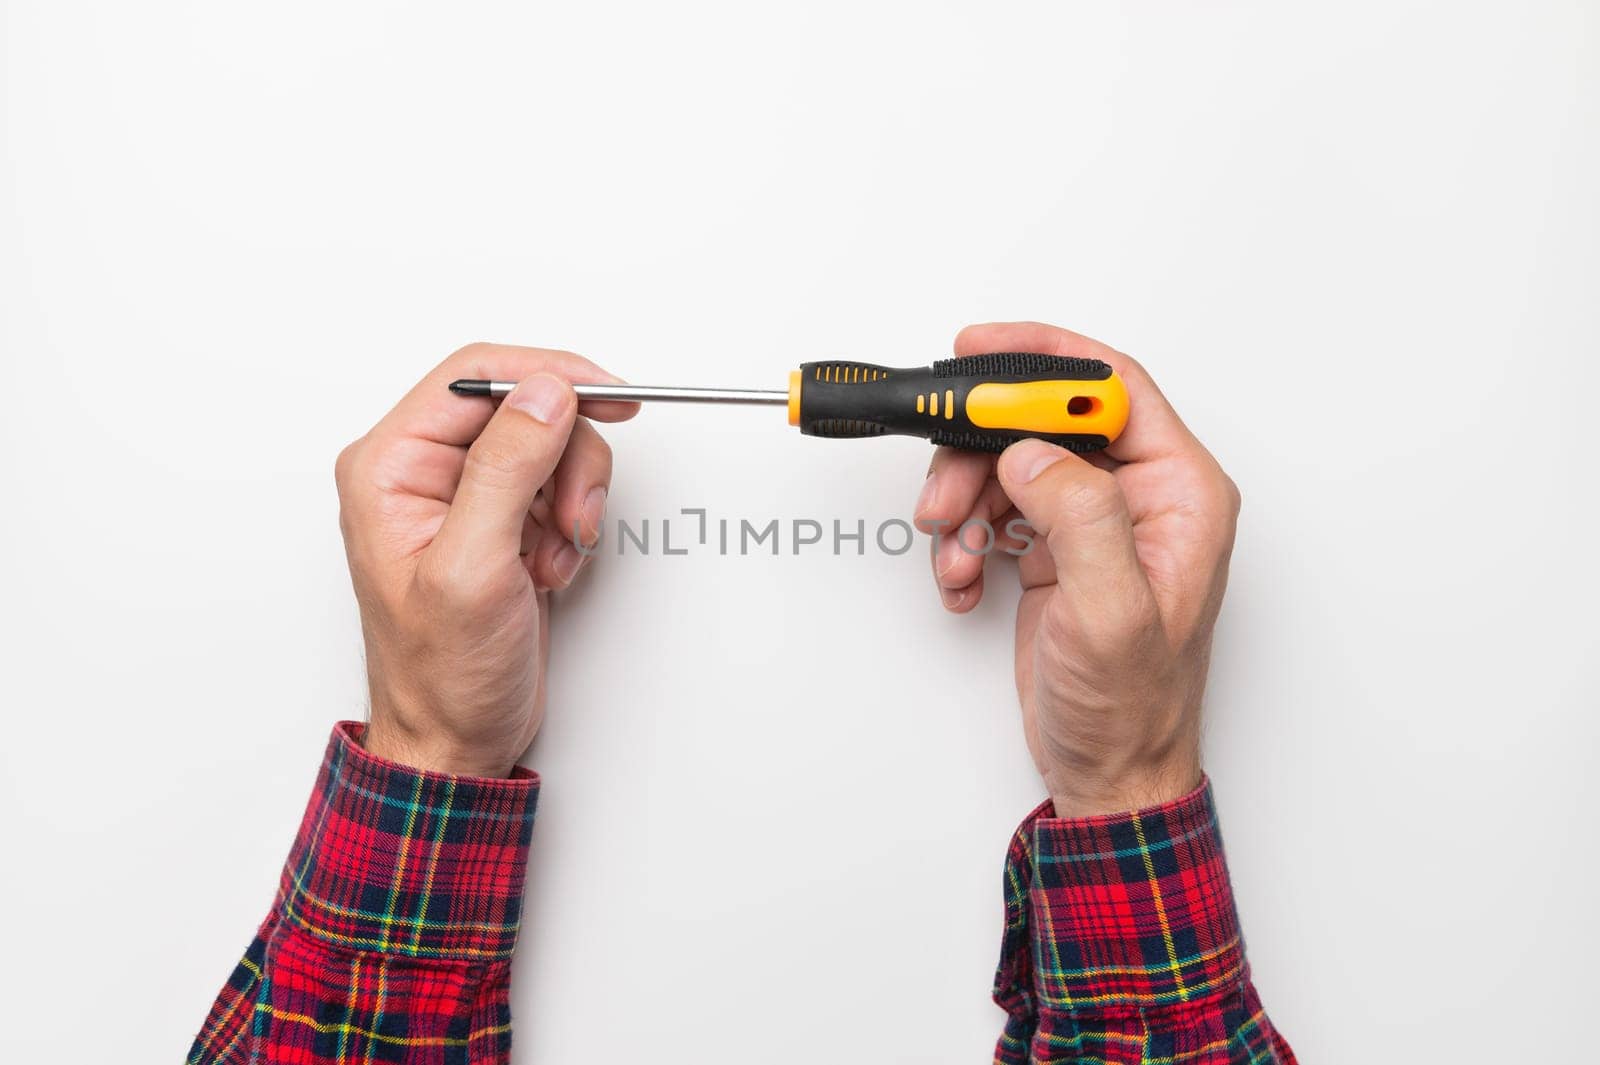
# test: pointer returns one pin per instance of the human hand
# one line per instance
(458, 520)
(1121, 587)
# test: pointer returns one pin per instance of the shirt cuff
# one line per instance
(401, 861)
(1119, 914)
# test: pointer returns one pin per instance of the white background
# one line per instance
(1357, 245)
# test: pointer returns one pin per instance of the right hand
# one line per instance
(1121, 586)
(458, 520)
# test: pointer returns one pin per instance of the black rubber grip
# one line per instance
(857, 399)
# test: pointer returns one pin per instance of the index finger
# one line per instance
(432, 412)
(1154, 429)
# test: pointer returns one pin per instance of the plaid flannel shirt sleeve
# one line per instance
(391, 935)
(1122, 944)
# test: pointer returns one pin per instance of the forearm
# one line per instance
(393, 926)
(392, 932)
(1122, 944)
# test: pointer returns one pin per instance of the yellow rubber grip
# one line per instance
(1051, 406)
(983, 402)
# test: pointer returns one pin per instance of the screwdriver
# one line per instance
(976, 403)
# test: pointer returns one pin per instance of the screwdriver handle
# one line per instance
(977, 403)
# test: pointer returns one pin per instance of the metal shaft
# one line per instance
(660, 394)
(636, 393)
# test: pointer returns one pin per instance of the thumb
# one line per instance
(507, 465)
(1080, 511)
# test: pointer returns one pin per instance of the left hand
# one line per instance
(459, 517)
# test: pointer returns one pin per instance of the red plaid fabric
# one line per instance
(391, 936)
(392, 933)
(1122, 945)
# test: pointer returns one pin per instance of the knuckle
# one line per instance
(473, 350)
(1092, 496)
(1208, 494)
(1220, 500)
(492, 463)
(472, 360)
(604, 457)
(1231, 493)
(344, 465)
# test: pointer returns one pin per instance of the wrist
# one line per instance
(430, 751)
(1094, 791)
